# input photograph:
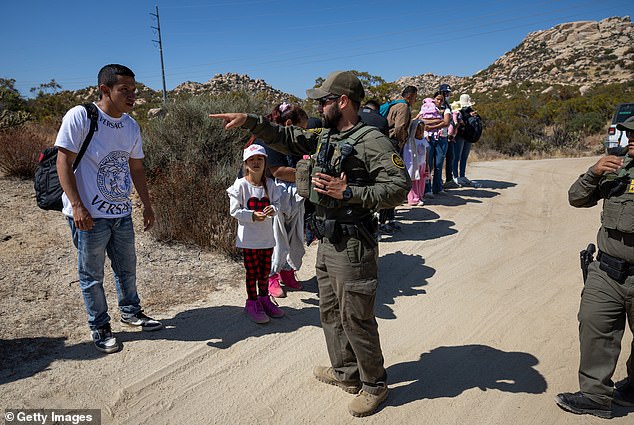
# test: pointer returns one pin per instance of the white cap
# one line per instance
(253, 149)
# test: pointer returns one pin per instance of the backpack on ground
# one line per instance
(48, 190)
(471, 129)
(385, 108)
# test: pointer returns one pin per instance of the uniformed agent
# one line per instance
(354, 172)
(607, 300)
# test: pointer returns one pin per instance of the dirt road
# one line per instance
(477, 313)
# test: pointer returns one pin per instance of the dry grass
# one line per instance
(20, 148)
(589, 146)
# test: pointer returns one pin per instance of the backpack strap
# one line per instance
(357, 136)
(93, 115)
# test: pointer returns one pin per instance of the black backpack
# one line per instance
(48, 190)
(471, 129)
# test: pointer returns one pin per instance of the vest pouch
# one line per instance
(618, 214)
(318, 198)
(303, 171)
(626, 219)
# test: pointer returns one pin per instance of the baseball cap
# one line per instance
(253, 149)
(628, 124)
(445, 88)
(338, 83)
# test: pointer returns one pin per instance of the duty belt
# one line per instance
(617, 268)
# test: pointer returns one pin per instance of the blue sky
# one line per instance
(286, 43)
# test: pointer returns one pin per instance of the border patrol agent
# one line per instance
(353, 172)
(607, 299)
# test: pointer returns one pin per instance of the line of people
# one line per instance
(435, 139)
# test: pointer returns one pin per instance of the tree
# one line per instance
(46, 89)
(10, 98)
(48, 104)
(375, 86)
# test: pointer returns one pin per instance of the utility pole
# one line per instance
(160, 44)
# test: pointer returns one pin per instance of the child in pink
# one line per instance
(253, 201)
(429, 111)
(415, 158)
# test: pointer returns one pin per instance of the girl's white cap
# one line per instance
(253, 149)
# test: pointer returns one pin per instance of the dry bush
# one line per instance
(191, 160)
(193, 207)
(20, 148)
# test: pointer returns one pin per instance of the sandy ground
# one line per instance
(477, 312)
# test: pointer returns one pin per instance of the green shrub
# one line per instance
(191, 160)
(586, 123)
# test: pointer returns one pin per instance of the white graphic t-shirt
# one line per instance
(103, 175)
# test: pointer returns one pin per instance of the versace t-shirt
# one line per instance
(103, 175)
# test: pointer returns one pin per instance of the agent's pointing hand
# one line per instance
(232, 119)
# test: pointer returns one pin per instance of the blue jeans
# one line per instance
(461, 153)
(114, 236)
(437, 152)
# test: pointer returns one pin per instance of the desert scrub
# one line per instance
(190, 161)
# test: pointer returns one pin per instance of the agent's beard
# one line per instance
(332, 120)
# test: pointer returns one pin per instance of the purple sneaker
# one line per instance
(270, 308)
(256, 313)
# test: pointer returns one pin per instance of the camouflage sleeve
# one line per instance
(584, 192)
(387, 171)
(288, 140)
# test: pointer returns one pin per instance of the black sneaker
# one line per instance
(580, 404)
(624, 393)
(140, 319)
(386, 229)
(104, 340)
(395, 226)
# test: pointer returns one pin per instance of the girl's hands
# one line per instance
(268, 211)
(259, 216)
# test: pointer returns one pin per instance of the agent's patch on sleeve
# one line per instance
(317, 131)
(396, 160)
(630, 189)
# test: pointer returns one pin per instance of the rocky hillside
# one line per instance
(428, 83)
(582, 54)
(223, 83)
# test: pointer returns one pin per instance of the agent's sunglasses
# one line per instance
(324, 100)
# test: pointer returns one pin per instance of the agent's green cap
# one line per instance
(628, 124)
(338, 83)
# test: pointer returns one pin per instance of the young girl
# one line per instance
(253, 202)
(415, 158)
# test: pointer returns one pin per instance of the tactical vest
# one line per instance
(618, 191)
(329, 159)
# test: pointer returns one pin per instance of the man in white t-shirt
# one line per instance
(97, 201)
